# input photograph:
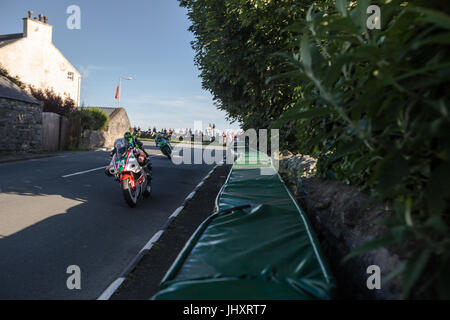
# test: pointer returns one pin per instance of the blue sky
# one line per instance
(145, 39)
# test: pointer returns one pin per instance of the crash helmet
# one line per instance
(128, 137)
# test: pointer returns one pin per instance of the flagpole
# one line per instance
(120, 88)
(118, 100)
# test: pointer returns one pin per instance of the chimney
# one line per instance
(38, 30)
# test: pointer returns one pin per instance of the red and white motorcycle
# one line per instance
(135, 181)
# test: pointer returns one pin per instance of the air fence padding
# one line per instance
(265, 251)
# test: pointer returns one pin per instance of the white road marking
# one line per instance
(111, 289)
(190, 196)
(82, 172)
(153, 240)
(176, 212)
(199, 185)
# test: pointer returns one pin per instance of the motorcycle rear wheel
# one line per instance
(128, 193)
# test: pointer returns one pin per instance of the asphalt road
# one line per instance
(48, 222)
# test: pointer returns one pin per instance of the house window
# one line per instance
(70, 75)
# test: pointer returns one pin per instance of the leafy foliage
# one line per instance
(100, 119)
(90, 118)
(85, 119)
(371, 105)
(4, 72)
(53, 102)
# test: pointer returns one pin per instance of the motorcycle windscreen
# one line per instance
(122, 152)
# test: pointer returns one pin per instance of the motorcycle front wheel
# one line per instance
(166, 150)
(128, 193)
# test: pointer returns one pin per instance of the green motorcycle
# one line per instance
(165, 147)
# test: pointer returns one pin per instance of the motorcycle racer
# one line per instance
(139, 152)
(162, 142)
(130, 166)
(159, 137)
(134, 142)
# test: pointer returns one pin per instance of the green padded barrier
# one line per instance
(266, 251)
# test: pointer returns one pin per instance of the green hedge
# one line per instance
(85, 119)
(91, 118)
(371, 105)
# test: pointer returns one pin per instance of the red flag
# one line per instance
(117, 92)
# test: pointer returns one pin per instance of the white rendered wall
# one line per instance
(36, 61)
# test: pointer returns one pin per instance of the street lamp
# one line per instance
(120, 85)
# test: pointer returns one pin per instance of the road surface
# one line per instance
(56, 212)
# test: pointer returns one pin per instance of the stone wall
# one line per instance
(118, 125)
(20, 126)
(343, 219)
(91, 139)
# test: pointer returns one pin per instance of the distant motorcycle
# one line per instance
(165, 147)
(124, 166)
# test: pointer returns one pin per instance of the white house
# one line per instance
(33, 57)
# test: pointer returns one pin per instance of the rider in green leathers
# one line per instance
(134, 142)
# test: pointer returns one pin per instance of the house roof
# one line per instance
(6, 39)
(10, 91)
(11, 36)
